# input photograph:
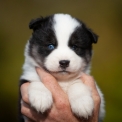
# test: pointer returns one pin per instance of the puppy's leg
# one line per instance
(39, 96)
(80, 99)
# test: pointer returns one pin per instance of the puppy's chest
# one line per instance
(65, 85)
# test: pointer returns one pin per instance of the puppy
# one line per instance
(61, 45)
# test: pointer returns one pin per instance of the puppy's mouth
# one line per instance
(63, 71)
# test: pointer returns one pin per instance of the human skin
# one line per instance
(60, 110)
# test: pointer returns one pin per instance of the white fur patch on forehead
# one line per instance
(64, 26)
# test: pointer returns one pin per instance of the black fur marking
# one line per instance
(34, 24)
(40, 22)
(92, 35)
(81, 42)
(42, 37)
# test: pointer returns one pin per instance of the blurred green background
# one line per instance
(104, 17)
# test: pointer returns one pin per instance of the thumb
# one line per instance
(50, 82)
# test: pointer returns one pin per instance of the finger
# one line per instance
(51, 83)
(24, 92)
(29, 120)
(30, 113)
(26, 111)
(90, 82)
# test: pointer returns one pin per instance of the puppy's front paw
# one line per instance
(41, 100)
(82, 106)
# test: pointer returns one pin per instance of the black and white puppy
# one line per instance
(62, 45)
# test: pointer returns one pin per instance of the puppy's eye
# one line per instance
(74, 47)
(51, 47)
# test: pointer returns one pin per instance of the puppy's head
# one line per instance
(61, 44)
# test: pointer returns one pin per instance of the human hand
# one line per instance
(60, 111)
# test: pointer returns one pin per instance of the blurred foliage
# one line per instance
(104, 17)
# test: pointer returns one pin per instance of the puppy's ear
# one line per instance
(92, 35)
(36, 23)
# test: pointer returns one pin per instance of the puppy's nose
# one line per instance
(64, 63)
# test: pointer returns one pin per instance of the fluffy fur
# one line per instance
(62, 45)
